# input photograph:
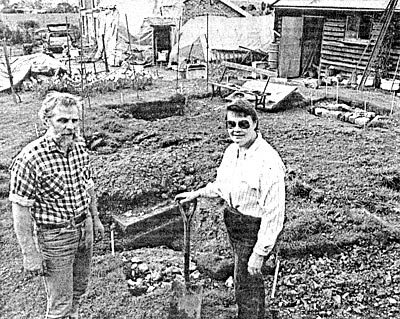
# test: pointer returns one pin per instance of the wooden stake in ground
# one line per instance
(326, 88)
(177, 56)
(393, 82)
(337, 91)
(129, 35)
(81, 52)
(207, 48)
(68, 46)
(105, 53)
(275, 279)
(83, 119)
(112, 239)
(9, 73)
(392, 104)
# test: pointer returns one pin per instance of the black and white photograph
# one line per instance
(200, 159)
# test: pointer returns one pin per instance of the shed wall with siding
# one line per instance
(344, 55)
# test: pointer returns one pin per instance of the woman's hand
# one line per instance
(255, 263)
(186, 196)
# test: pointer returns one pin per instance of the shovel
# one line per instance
(186, 298)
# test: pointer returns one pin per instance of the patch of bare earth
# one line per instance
(339, 252)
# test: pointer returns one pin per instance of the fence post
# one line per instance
(105, 54)
(9, 72)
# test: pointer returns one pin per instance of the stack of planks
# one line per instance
(345, 113)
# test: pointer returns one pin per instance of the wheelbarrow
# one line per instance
(186, 297)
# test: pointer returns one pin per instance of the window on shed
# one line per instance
(358, 27)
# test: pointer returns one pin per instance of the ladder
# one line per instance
(377, 38)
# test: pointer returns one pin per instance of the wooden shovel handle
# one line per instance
(187, 216)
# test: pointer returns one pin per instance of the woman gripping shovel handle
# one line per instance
(250, 179)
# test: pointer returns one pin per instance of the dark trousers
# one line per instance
(249, 290)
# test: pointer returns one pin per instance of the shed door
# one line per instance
(161, 40)
(290, 47)
(312, 39)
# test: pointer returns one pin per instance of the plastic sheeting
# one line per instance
(224, 34)
(108, 27)
(22, 66)
(135, 10)
(118, 16)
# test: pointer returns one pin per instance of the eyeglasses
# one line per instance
(243, 124)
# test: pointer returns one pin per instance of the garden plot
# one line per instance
(339, 259)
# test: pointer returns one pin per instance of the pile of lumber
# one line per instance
(357, 116)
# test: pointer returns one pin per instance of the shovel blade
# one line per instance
(185, 302)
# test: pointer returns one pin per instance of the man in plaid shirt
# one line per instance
(54, 206)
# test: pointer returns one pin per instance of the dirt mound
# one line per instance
(158, 159)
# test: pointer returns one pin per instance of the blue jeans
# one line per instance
(67, 253)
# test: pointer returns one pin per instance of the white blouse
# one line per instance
(253, 182)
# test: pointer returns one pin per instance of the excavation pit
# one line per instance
(151, 110)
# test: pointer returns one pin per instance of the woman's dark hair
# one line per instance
(244, 108)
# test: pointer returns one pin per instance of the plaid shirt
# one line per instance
(54, 185)
(253, 182)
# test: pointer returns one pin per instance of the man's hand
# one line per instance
(34, 265)
(23, 225)
(98, 228)
(187, 196)
(255, 263)
(33, 262)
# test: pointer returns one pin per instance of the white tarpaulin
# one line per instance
(118, 16)
(223, 34)
(21, 67)
(108, 28)
(135, 12)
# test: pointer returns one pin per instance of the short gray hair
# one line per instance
(54, 99)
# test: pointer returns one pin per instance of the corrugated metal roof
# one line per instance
(335, 4)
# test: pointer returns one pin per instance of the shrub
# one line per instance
(5, 31)
(28, 24)
(17, 37)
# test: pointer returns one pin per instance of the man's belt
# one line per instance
(72, 223)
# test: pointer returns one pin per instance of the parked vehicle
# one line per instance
(58, 37)
(39, 36)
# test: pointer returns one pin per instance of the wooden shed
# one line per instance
(333, 34)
